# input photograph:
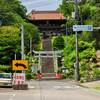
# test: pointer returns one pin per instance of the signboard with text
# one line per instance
(18, 78)
(82, 27)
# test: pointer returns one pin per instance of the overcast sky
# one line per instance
(41, 4)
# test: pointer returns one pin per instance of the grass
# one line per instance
(97, 86)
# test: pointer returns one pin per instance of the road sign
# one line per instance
(20, 65)
(82, 28)
(18, 78)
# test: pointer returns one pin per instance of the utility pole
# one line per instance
(66, 35)
(0, 22)
(31, 45)
(39, 63)
(15, 56)
(77, 74)
(22, 42)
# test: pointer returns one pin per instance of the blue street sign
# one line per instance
(82, 27)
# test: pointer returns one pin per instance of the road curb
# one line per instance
(81, 85)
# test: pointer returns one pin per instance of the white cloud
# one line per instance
(41, 4)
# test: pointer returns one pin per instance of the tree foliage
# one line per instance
(86, 52)
(88, 13)
(11, 12)
(13, 15)
(31, 32)
(9, 43)
(58, 43)
(66, 8)
(5, 68)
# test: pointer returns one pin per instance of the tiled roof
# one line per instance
(45, 15)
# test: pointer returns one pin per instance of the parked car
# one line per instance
(6, 79)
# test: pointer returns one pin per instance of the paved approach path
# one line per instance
(50, 90)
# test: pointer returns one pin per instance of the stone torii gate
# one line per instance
(47, 54)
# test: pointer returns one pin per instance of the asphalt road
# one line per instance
(49, 90)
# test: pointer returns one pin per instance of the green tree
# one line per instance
(86, 52)
(58, 43)
(66, 8)
(12, 15)
(11, 12)
(88, 13)
(9, 43)
(31, 32)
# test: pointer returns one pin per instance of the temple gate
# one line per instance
(49, 23)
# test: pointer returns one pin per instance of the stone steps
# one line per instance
(47, 63)
(49, 76)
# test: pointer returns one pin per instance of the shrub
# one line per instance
(28, 76)
(96, 73)
(5, 68)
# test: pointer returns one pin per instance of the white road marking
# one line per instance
(31, 87)
(12, 96)
(77, 86)
(68, 87)
(65, 87)
(57, 87)
(7, 93)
